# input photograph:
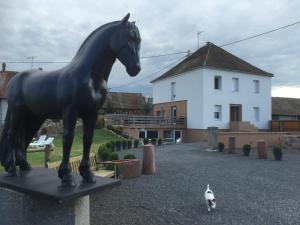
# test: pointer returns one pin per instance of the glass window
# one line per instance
(152, 134)
(256, 86)
(173, 95)
(218, 82)
(218, 112)
(255, 114)
(142, 134)
(235, 84)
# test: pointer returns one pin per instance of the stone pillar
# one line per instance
(262, 151)
(18, 208)
(212, 137)
(47, 154)
(231, 145)
(148, 167)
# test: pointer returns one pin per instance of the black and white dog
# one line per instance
(210, 199)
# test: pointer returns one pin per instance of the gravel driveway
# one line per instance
(248, 190)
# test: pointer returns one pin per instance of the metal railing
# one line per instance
(147, 121)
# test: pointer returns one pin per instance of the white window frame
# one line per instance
(235, 84)
(256, 86)
(219, 78)
(173, 90)
(256, 113)
(218, 109)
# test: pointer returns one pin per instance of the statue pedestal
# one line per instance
(34, 198)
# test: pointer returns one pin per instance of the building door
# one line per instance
(235, 112)
(178, 136)
(173, 113)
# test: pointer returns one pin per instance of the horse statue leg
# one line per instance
(32, 124)
(88, 132)
(69, 122)
(10, 164)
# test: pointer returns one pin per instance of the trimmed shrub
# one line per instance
(146, 141)
(129, 144)
(159, 142)
(108, 145)
(221, 146)
(118, 145)
(124, 144)
(103, 153)
(153, 141)
(277, 152)
(113, 145)
(136, 143)
(129, 156)
(247, 149)
(114, 156)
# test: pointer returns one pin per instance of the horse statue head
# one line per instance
(125, 43)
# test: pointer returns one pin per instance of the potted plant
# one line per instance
(146, 141)
(246, 149)
(159, 142)
(277, 152)
(118, 145)
(153, 141)
(136, 143)
(221, 146)
(129, 144)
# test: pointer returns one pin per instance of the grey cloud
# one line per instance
(54, 30)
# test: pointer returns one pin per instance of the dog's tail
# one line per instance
(207, 186)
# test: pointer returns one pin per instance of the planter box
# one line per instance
(128, 168)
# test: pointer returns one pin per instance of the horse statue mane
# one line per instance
(77, 90)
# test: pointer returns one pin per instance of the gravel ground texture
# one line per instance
(248, 190)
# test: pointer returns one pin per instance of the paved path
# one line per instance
(248, 190)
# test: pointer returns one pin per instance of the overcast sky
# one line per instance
(53, 30)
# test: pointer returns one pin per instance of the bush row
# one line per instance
(106, 154)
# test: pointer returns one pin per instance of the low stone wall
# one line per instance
(271, 138)
(291, 141)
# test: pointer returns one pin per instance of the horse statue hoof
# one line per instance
(89, 178)
(11, 171)
(68, 181)
(24, 166)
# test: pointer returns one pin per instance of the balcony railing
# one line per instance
(139, 121)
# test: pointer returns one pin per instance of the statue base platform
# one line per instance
(36, 198)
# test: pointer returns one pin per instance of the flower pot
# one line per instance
(246, 152)
(278, 156)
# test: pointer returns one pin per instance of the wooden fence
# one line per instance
(285, 125)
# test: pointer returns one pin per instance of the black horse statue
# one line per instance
(78, 90)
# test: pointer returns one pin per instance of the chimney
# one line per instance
(3, 67)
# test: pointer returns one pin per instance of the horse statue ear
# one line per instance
(125, 19)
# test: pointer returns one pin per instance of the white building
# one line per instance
(212, 87)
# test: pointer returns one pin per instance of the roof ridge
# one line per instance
(207, 53)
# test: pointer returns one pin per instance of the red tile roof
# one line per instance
(121, 100)
(4, 79)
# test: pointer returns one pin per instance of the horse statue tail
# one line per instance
(4, 145)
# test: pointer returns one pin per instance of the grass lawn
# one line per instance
(101, 136)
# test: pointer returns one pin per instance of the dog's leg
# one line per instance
(208, 207)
